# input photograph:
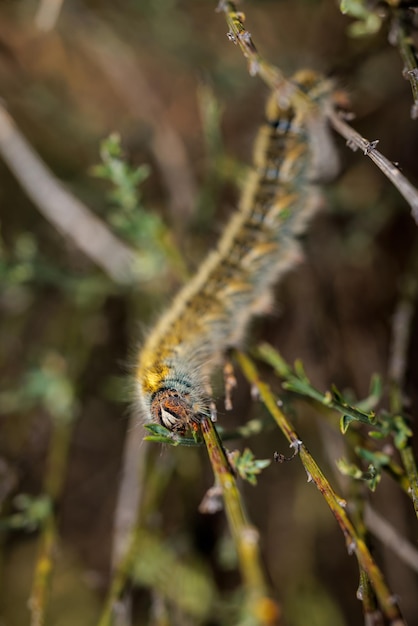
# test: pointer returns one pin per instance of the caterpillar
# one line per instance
(212, 312)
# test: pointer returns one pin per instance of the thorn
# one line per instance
(370, 146)
(245, 37)
(212, 501)
(296, 444)
(230, 383)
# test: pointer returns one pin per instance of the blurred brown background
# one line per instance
(151, 70)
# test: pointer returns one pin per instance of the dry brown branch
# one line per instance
(67, 214)
(47, 14)
(391, 538)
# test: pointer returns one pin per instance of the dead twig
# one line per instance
(65, 212)
(47, 14)
(391, 538)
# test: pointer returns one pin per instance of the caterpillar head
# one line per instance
(173, 410)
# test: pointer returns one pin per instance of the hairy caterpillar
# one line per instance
(211, 313)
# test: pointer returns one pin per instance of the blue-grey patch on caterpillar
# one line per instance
(212, 312)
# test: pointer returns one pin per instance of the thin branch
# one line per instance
(246, 538)
(355, 140)
(355, 544)
(47, 14)
(288, 91)
(67, 214)
(391, 538)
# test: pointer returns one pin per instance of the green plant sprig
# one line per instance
(383, 425)
(127, 213)
(296, 380)
(354, 542)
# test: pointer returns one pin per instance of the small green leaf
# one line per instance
(160, 434)
(375, 434)
(300, 371)
(345, 422)
(371, 476)
(275, 359)
(32, 512)
(375, 393)
(349, 469)
(247, 466)
(376, 458)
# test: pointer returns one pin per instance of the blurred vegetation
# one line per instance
(147, 113)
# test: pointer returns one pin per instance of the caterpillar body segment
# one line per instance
(212, 312)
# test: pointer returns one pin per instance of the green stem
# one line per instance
(405, 45)
(354, 543)
(57, 463)
(263, 610)
(270, 74)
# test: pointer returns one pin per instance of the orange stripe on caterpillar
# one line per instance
(212, 312)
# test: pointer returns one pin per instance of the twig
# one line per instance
(354, 543)
(271, 75)
(56, 467)
(355, 140)
(287, 90)
(43, 571)
(47, 14)
(246, 538)
(130, 489)
(121, 67)
(148, 559)
(68, 215)
(390, 537)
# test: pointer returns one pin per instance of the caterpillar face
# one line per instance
(173, 410)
